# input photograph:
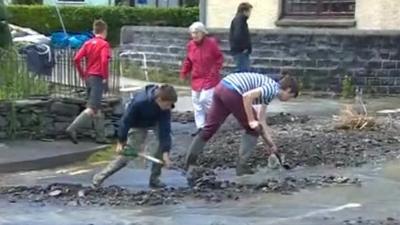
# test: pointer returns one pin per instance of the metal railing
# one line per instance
(64, 80)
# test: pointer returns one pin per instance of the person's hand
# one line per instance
(119, 148)
(254, 124)
(167, 161)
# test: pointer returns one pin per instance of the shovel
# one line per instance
(155, 160)
(278, 156)
(284, 165)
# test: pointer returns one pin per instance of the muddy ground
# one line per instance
(304, 141)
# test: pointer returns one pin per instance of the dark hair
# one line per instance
(99, 26)
(166, 92)
(244, 7)
(288, 81)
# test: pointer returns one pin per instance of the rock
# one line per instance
(55, 193)
(67, 119)
(3, 135)
(60, 127)
(64, 109)
(73, 203)
(273, 162)
(110, 130)
(81, 193)
(118, 109)
(3, 121)
(30, 103)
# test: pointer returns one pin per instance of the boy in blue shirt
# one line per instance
(149, 109)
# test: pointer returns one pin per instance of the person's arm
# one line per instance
(186, 65)
(105, 59)
(126, 122)
(77, 61)
(265, 130)
(164, 132)
(248, 99)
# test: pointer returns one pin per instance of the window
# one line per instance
(318, 9)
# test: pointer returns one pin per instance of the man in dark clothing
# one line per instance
(239, 38)
(149, 109)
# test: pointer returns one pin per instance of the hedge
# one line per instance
(44, 19)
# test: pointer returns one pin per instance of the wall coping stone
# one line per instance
(279, 31)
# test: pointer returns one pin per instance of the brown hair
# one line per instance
(288, 81)
(166, 92)
(99, 26)
(244, 7)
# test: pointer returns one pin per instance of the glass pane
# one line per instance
(338, 6)
(319, 8)
(301, 6)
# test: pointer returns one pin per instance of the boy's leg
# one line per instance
(95, 90)
(215, 117)
(247, 146)
(135, 139)
(96, 95)
(84, 117)
(99, 126)
(118, 163)
(249, 139)
(154, 181)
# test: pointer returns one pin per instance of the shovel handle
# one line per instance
(151, 158)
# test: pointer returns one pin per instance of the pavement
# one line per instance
(25, 155)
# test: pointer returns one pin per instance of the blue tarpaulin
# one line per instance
(69, 40)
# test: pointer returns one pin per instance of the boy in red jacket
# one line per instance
(203, 61)
(96, 51)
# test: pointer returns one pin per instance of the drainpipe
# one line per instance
(203, 11)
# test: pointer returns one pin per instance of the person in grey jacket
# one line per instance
(239, 38)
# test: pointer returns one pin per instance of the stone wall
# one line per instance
(48, 118)
(319, 57)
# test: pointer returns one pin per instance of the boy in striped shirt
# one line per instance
(237, 93)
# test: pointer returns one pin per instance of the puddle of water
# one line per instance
(378, 197)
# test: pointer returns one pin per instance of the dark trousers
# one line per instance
(242, 61)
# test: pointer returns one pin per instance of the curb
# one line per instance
(49, 162)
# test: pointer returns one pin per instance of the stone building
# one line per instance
(320, 41)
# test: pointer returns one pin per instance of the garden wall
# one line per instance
(320, 58)
(49, 117)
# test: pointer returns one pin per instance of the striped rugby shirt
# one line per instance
(246, 81)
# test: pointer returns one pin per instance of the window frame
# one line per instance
(318, 13)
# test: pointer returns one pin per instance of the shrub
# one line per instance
(15, 81)
(27, 2)
(44, 19)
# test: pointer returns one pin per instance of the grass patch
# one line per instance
(103, 155)
(163, 74)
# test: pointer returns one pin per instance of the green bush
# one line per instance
(76, 19)
(27, 2)
(5, 36)
(15, 81)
